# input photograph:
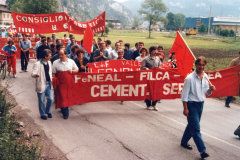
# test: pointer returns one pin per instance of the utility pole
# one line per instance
(220, 22)
(236, 32)
(209, 20)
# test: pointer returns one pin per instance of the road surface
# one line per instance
(111, 131)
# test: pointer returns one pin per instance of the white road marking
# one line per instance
(185, 126)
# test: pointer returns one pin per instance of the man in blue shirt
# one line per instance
(127, 52)
(11, 57)
(68, 49)
(25, 46)
(195, 87)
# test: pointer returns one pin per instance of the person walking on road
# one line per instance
(234, 62)
(25, 46)
(11, 57)
(150, 62)
(64, 64)
(42, 71)
(193, 96)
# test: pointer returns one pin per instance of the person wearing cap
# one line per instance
(3, 33)
(11, 57)
(10, 35)
(54, 36)
(25, 46)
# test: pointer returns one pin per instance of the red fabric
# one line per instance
(11, 61)
(153, 84)
(12, 30)
(183, 56)
(114, 66)
(40, 23)
(55, 82)
(97, 25)
(88, 39)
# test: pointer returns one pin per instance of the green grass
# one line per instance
(166, 40)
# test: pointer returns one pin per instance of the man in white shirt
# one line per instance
(114, 53)
(64, 64)
(193, 96)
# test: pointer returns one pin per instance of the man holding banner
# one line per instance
(101, 54)
(150, 62)
(195, 87)
(64, 64)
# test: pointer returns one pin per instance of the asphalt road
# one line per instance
(111, 131)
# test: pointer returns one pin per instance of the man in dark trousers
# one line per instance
(41, 48)
(25, 46)
(234, 62)
(150, 62)
(195, 87)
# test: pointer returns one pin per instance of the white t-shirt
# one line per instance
(58, 65)
(139, 58)
(113, 55)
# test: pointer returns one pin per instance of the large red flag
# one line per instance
(183, 56)
(88, 39)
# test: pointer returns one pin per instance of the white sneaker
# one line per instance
(155, 108)
(149, 108)
(14, 76)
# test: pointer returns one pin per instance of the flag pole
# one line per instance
(193, 55)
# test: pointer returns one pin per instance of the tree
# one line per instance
(136, 22)
(110, 25)
(35, 6)
(151, 10)
(202, 28)
(175, 21)
(9, 3)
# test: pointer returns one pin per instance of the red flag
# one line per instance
(183, 56)
(179, 30)
(12, 30)
(88, 39)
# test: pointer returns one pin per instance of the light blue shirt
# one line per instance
(194, 89)
(25, 45)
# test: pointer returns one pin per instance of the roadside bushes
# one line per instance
(13, 145)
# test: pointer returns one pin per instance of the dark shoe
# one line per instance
(49, 115)
(227, 105)
(187, 146)
(204, 155)
(44, 117)
(65, 117)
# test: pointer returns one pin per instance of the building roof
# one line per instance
(4, 10)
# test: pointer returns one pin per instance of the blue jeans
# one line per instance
(48, 93)
(193, 127)
(65, 111)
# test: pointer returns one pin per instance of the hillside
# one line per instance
(192, 8)
(85, 10)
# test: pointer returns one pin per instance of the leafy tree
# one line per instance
(136, 22)
(151, 10)
(35, 6)
(9, 3)
(202, 28)
(232, 33)
(110, 25)
(175, 21)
